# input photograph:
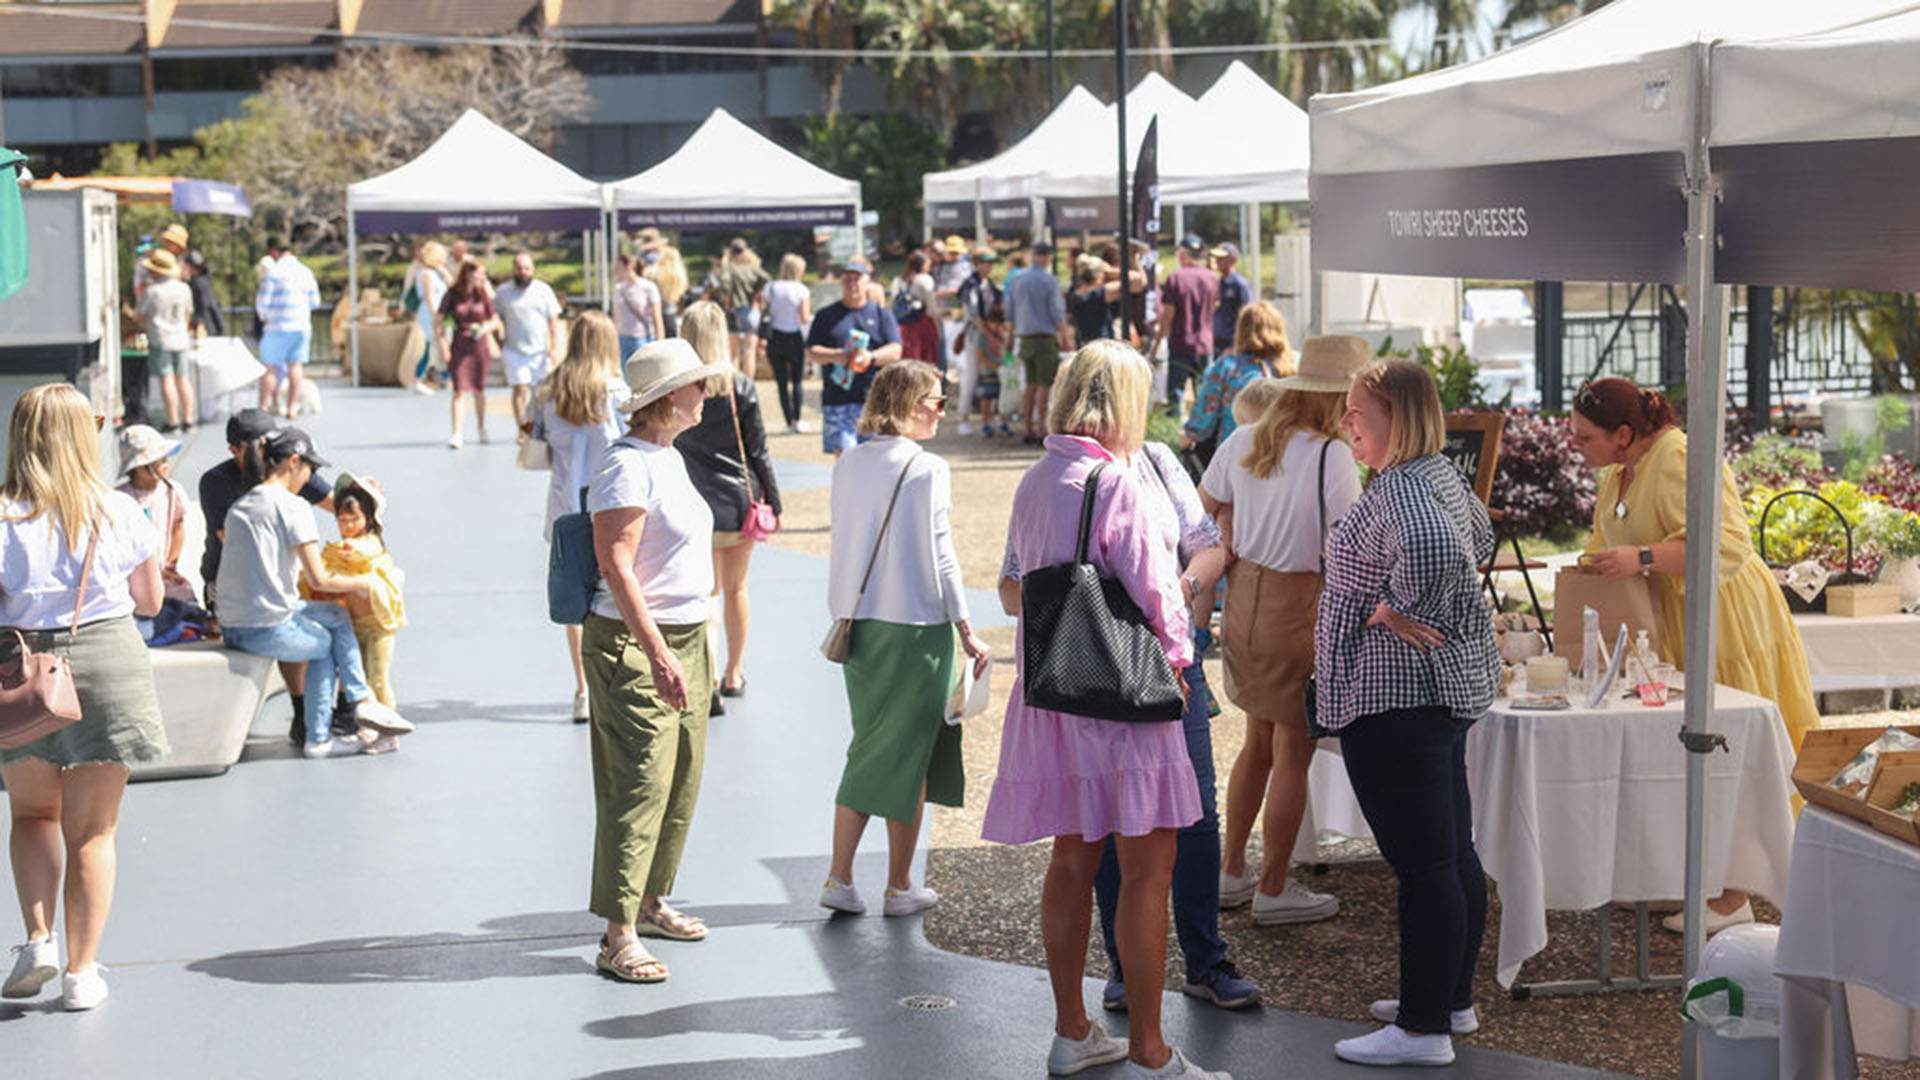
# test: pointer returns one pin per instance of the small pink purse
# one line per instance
(37, 695)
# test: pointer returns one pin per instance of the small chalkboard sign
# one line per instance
(1473, 445)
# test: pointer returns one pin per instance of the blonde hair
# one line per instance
(1413, 406)
(792, 267)
(1261, 331)
(657, 411)
(704, 326)
(895, 391)
(578, 386)
(434, 254)
(1102, 394)
(1253, 401)
(53, 459)
(1316, 412)
(669, 273)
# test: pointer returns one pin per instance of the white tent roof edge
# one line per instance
(499, 171)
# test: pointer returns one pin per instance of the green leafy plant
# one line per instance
(1893, 531)
(1799, 529)
(1859, 453)
(1456, 373)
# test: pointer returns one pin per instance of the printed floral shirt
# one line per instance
(1219, 385)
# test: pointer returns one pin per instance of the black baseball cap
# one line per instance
(1041, 247)
(1193, 243)
(248, 425)
(292, 442)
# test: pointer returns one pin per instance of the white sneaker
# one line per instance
(1177, 1067)
(1236, 890)
(1295, 904)
(842, 897)
(483, 437)
(803, 427)
(34, 966)
(423, 389)
(914, 900)
(1387, 1010)
(381, 718)
(339, 746)
(581, 712)
(1716, 922)
(455, 442)
(1394, 1045)
(1099, 1048)
(966, 427)
(84, 989)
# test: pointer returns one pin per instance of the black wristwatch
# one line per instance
(1646, 561)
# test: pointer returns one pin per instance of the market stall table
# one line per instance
(1579, 809)
(1849, 954)
(1875, 652)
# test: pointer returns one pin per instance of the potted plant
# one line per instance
(1896, 533)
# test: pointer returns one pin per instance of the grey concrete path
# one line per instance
(421, 914)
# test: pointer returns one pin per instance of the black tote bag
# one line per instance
(1088, 649)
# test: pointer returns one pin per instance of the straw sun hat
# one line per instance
(161, 263)
(1328, 364)
(661, 367)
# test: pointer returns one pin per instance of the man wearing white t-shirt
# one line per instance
(531, 314)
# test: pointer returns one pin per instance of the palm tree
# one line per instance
(1553, 12)
(823, 24)
(1334, 68)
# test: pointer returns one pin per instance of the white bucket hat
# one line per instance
(658, 368)
(142, 445)
(1328, 364)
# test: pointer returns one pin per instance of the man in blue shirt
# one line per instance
(1236, 292)
(849, 338)
(1038, 310)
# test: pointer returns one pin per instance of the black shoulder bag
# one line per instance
(1315, 730)
(1088, 648)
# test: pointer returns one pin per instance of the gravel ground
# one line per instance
(990, 894)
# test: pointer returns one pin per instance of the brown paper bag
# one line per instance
(1622, 600)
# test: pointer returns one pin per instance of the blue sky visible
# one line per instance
(1414, 29)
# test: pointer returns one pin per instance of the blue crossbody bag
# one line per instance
(573, 573)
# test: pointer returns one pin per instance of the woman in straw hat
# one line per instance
(645, 651)
(166, 311)
(1271, 483)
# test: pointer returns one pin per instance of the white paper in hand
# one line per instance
(970, 697)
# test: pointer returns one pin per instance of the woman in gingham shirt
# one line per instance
(1405, 662)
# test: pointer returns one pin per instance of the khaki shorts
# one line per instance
(1040, 355)
(1267, 632)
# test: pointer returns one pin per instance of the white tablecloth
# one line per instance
(1575, 809)
(1852, 919)
(1880, 652)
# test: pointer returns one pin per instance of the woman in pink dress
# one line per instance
(1081, 779)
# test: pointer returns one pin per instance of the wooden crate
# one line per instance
(1895, 771)
(1823, 753)
(1860, 601)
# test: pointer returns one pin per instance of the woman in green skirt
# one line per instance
(895, 573)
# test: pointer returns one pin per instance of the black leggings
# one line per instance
(788, 353)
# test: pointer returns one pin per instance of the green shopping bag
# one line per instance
(13, 224)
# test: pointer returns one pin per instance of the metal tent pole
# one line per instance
(1706, 438)
(353, 292)
(1253, 249)
(1125, 225)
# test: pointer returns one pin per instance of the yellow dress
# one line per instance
(379, 616)
(1758, 648)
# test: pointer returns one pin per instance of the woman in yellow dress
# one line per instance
(1632, 437)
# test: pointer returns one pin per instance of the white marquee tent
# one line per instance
(728, 176)
(1255, 146)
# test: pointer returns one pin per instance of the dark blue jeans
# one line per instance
(1182, 368)
(1409, 773)
(1196, 860)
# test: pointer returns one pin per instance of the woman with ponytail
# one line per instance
(1632, 436)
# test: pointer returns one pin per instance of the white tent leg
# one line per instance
(1253, 249)
(353, 295)
(1179, 223)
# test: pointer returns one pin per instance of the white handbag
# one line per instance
(534, 455)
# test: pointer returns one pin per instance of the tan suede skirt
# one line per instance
(1268, 637)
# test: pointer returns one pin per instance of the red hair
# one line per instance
(1613, 403)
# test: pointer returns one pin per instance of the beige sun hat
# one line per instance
(1328, 364)
(161, 263)
(658, 368)
(142, 445)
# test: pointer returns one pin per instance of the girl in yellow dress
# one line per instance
(361, 552)
(1640, 527)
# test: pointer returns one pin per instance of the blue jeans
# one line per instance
(630, 342)
(322, 635)
(1196, 860)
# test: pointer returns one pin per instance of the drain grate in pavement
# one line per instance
(927, 1002)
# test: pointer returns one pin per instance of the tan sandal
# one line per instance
(630, 962)
(670, 924)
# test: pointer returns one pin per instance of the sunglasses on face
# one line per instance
(939, 403)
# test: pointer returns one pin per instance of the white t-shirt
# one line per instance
(526, 313)
(260, 557)
(39, 571)
(1276, 519)
(167, 309)
(635, 303)
(784, 299)
(674, 560)
(432, 287)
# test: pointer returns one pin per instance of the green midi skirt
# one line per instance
(898, 680)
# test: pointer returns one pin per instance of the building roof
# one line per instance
(581, 15)
(304, 19)
(461, 17)
(27, 32)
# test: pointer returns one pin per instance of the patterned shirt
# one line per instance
(1414, 540)
(1219, 385)
(1156, 469)
(288, 296)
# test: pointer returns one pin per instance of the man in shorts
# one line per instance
(1038, 310)
(287, 298)
(531, 315)
(849, 338)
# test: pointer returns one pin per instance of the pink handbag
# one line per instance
(37, 695)
(759, 522)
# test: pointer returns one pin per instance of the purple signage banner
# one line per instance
(1595, 219)
(1013, 215)
(950, 215)
(1097, 214)
(1826, 215)
(475, 221)
(745, 217)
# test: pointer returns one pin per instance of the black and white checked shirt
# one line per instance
(1415, 539)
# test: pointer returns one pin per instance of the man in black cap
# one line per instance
(221, 487)
(1187, 301)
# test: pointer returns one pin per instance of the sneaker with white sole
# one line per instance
(34, 966)
(1387, 1010)
(381, 718)
(1295, 904)
(966, 428)
(84, 989)
(344, 746)
(581, 712)
(1716, 922)
(1395, 1045)
(910, 902)
(1068, 1057)
(1236, 890)
(840, 896)
(1176, 1068)
(455, 442)
(803, 427)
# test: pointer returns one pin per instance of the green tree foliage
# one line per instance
(888, 154)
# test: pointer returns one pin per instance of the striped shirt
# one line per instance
(1415, 539)
(288, 296)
